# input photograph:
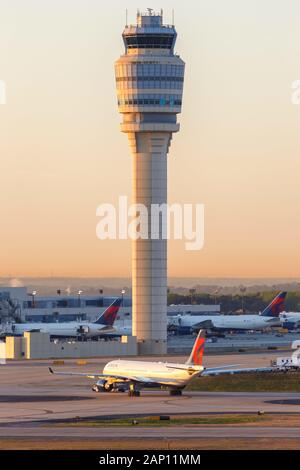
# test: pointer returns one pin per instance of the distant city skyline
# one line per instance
(62, 153)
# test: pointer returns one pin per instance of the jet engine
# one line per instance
(104, 386)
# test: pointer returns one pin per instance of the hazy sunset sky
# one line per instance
(62, 153)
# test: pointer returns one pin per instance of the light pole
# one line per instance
(243, 290)
(79, 298)
(101, 294)
(33, 298)
(123, 292)
(192, 292)
(215, 293)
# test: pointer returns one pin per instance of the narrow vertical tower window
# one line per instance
(149, 80)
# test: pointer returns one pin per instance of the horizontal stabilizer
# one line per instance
(208, 372)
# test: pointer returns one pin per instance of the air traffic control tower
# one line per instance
(149, 78)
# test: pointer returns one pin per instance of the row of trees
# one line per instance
(249, 303)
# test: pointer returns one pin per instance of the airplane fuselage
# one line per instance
(226, 322)
(150, 373)
(66, 329)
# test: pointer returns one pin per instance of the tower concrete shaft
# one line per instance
(149, 81)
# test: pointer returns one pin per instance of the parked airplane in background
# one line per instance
(122, 375)
(290, 320)
(269, 317)
(102, 326)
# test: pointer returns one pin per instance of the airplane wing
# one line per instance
(223, 370)
(106, 328)
(91, 375)
(206, 324)
(33, 330)
(227, 366)
(272, 320)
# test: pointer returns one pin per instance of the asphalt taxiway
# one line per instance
(30, 398)
(28, 392)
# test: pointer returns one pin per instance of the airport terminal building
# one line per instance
(27, 306)
(18, 304)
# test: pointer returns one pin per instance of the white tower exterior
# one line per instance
(149, 78)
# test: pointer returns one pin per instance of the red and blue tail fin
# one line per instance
(276, 306)
(109, 315)
(196, 356)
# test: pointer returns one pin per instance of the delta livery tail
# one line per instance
(276, 306)
(109, 315)
(196, 356)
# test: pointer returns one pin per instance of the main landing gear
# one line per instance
(133, 392)
(175, 393)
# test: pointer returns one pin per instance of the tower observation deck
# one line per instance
(149, 80)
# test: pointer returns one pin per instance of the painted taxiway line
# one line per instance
(137, 432)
